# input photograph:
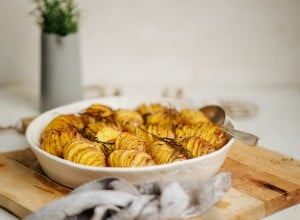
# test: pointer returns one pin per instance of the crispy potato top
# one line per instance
(145, 136)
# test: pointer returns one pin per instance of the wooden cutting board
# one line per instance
(263, 182)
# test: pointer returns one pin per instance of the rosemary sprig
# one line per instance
(172, 143)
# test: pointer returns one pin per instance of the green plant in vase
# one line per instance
(59, 17)
(60, 58)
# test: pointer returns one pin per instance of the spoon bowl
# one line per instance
(217, 115)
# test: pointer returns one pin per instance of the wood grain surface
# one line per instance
(263, 182)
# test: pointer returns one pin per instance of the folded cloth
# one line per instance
(116, 199)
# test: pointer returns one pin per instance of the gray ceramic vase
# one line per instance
(60, 70)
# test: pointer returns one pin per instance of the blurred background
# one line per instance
(244, 54)
(163, 43)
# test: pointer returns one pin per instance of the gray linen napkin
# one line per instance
(116, 199)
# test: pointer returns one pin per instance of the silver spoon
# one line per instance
(217, 115)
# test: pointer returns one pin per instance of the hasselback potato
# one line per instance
(146, 110)
(98, 111)
(197, 146)
(84, 152)
(128, 120)
(163, 152)
(91, 129)
(193, 116)
(64, 123)
(127, 141)
(161, 131)
(108, 134)
(129, 158)
(54, 141)
(208, 131)
(167, 117)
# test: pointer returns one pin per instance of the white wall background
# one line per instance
(166, 42)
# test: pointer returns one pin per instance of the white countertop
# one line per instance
(276, 120)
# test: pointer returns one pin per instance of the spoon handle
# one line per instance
(247, 138)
